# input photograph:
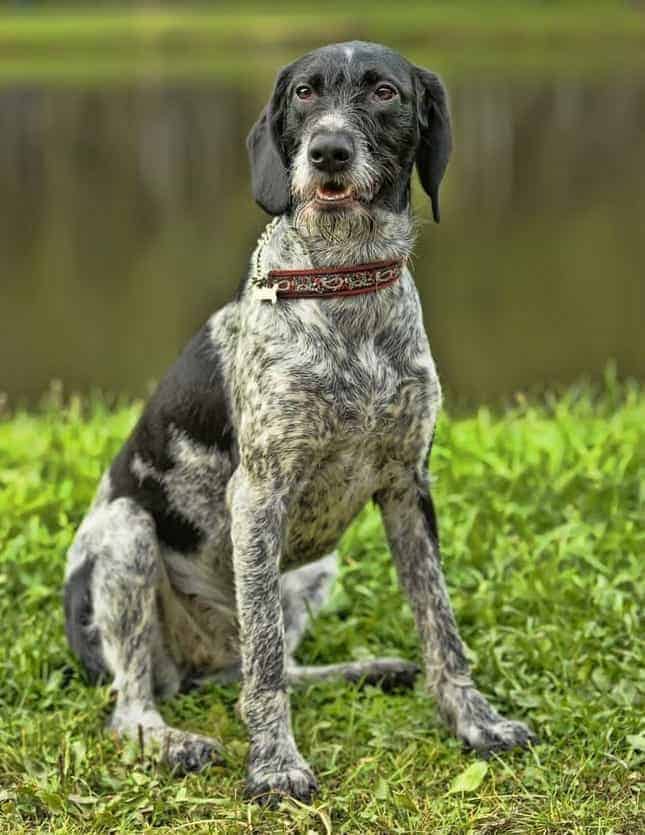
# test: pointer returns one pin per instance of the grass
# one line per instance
(116, 43)
(541, 511)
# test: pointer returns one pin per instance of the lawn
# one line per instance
(541, 513)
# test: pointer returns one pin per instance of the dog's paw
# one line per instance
(482, 729)
(185, 752)
(276, 768)
(266, 786)
(181, 751)
(392, 674)
(387, 673)
(502, 735)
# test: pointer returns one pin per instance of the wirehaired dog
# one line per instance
(212, 535)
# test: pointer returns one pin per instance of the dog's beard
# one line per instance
(336, 226)
(344, 223)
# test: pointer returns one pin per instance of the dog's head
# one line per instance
(341, 133)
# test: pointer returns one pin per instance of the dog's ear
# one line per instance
(269, 177)
(435, 135)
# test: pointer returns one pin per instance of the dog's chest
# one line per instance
(371, 437)
(331, 408)
(309, 380)
(330, 495)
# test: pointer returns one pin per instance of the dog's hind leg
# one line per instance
(124, 590)
(304, 592)
(386, 673)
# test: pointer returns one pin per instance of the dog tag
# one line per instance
(267, 294)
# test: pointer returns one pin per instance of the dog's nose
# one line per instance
(331, 152)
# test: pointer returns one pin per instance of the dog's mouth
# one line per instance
(335, 195)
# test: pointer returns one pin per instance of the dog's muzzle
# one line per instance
(331, 154)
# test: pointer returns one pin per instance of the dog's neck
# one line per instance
(388, 236)
(285, 244)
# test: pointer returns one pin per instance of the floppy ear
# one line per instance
(269, 178)
(435, 135)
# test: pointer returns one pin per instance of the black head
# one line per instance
(343, 129)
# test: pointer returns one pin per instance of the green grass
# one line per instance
(541, 511)
(115, 43)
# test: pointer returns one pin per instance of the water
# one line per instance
(126, 218)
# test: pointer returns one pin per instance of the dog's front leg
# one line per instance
(410, 522)
(258, 519)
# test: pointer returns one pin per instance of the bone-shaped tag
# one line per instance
(267, 294)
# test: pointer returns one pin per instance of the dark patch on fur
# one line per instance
(389, 680)
(191, 398)
(172, 527)
(445, 624)
(426, 505)
(84, 640)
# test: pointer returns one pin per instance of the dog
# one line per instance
(212, 536)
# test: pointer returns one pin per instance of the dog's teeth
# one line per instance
(331, 196)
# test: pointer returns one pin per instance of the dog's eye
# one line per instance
(385, 92)
(304, 92)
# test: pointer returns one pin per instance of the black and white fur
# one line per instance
(212, 535)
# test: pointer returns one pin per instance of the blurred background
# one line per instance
(125, 208)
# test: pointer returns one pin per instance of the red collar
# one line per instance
(329, 282)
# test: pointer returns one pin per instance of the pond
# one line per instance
(126, 218)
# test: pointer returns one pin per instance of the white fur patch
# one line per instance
(335, 120)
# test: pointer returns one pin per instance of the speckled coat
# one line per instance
(212, 535)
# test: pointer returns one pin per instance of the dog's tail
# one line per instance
(82, 635)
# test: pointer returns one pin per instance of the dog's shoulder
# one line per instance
(190, 402)
(191, 397)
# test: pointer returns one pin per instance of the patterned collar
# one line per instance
(328, 282)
